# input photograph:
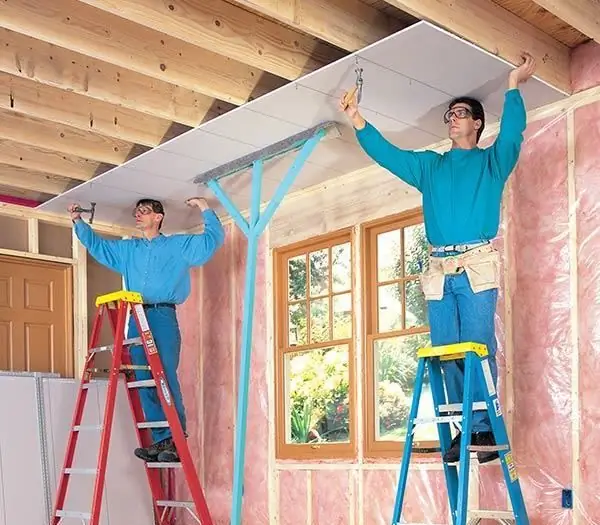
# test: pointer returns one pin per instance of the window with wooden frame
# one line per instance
(396, 326)
(314, 321)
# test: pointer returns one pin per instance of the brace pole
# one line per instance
(253, 230)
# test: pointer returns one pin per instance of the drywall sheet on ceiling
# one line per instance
(409, 78)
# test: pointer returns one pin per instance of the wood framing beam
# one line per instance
(498, 31)
(48, 64)
(65, 139)
(34, 180)
(23, 212)
(29, 97)
(98, 34)
(18, 193)
(39, 159)
(229, 30)
(348, 24)
(583, 15)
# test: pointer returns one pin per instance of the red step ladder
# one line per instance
(117, 305)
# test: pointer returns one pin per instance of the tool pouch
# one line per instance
(482, 266)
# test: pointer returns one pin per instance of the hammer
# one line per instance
(91, 211)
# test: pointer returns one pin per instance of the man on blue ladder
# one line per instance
(157, 267)
(462, 192)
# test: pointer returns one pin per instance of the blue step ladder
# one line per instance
(477, 368)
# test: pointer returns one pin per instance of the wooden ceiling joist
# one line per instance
(40, 159)
(33, 180)
(46, 102)
(65, 139)
(347, 24)
(27, 57)
(583, 15)
(230, 31)
(498, 31)
(98, 34)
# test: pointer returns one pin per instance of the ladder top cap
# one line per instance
(121, 295)
(455, 351)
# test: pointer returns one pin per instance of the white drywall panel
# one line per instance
(409, 78)
(21, 472)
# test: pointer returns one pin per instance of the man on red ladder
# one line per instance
(157, 267)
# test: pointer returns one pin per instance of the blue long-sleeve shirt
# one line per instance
(158, 269)
(462, 188)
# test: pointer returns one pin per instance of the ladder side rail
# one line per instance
(408, 443)
(82, 393)
(509, 468)
(108, 413)
(153, 475)
(439, 398)
(465, 442)
(166, 400)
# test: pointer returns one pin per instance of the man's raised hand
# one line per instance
(523, 72)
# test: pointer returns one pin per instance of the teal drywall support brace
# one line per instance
(305, 142)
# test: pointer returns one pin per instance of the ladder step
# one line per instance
(457, 407)
(141, 384)
(79, 428)
(180, 504)
(109, 348)
(440, 419)
(491, 448)
(153, 424)
(502, 516)
(91, 471)
(73, 514)
(158, 464)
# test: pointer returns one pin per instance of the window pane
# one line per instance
(390, 307)
(416, 306)
(319, 320)
(317, 396)
(416, 254)
(319, 272)
(297, 320)
(395, 371)
(340, 268)
(389, 264)
(297, 278)
(342, 316)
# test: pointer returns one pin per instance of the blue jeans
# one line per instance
(464, 316)
(167, 337)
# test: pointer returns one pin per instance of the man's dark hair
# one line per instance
(156, 206)
(476, 111)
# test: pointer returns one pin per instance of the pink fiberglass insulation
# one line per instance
(535, 328)
(539, 233)
(587, 181)
(585, 66)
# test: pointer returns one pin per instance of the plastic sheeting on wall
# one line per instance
(548, 331)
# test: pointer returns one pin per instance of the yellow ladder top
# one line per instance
(121, 295)
(454, 351)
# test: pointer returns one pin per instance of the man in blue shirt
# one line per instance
(157, 267)
(462, 192)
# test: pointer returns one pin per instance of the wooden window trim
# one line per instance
(374, 448)
(320, 451)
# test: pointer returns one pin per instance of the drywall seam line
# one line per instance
(43, 441)
(575, 408)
